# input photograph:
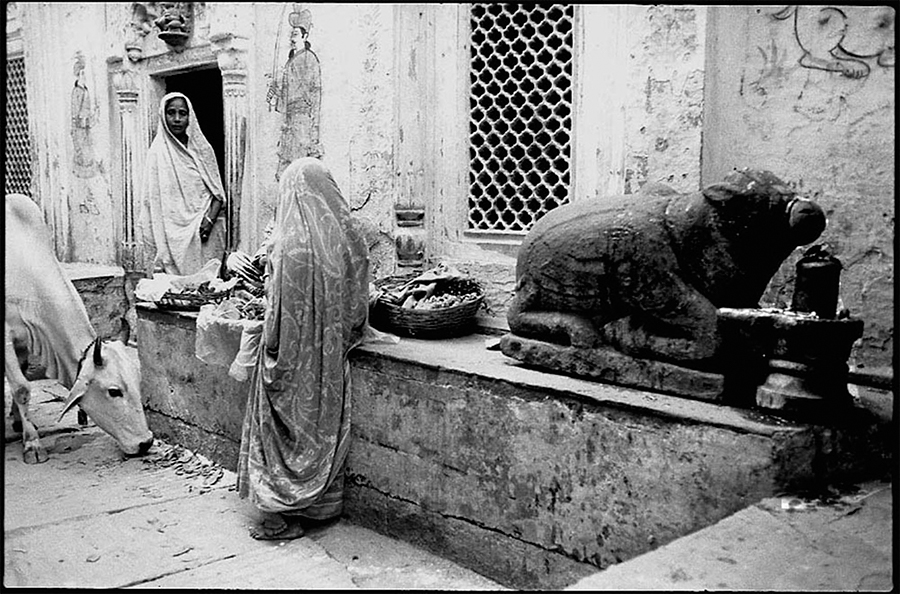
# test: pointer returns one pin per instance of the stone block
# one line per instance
(102, 288)
(188, 401)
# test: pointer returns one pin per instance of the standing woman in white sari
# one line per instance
(182, 196)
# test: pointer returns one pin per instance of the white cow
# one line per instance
(46, 317)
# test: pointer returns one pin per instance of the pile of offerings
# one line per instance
(248, 270)
(236, 276)
(186, 293)
(438, 303)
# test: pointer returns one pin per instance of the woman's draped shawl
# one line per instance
(178, 183)
(296, 429)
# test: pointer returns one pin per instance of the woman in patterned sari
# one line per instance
(297, 425)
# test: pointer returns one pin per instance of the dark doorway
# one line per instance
(204, 89)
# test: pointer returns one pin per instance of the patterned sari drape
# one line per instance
(296, 429)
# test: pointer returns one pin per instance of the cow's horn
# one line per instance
(98, 360)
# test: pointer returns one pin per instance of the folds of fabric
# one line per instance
(179, 183)
(296, 430)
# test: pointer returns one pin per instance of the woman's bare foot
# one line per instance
(277, 527)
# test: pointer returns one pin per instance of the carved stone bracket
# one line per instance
(175, 23)
(173, 20)
(231, 54)
(137, 29)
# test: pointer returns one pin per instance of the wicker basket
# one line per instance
(446, 322)
(189, 301)
(427, 323)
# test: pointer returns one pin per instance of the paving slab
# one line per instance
(90, 517)
(783, 544)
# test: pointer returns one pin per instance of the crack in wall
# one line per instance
(360, 481)
(191, 424)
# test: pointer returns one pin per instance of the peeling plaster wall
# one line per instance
(70, 128)
(830, 133)
(354, 46)
(640, 71)
(659, 84)
(664, 96)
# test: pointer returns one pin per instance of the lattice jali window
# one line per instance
(520, 126)
(18, 140)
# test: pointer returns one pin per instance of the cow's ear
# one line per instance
(75, 395)
(720, 192)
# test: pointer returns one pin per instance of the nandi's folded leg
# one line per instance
(552, 326)
(677, 325)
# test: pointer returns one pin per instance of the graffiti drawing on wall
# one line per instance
(295, 91)
(844, 39)
(83, 120)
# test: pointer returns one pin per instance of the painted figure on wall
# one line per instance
(89, 199)
(843, 39)
(83, 119)
(295, 91)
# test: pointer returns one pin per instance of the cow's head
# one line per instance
(756, 206)
(107, 388)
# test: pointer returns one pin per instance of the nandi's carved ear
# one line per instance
(657, 189)
(721, 192)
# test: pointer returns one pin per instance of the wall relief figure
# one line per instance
(845, 39)
(88, 196)
(174, 22)
(83, 119)
(295, 91)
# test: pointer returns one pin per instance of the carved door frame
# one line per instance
(138, 92)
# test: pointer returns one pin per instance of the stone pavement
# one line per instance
(781, 544)
(91, 518)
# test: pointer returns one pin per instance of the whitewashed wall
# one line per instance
(830, 132)
(672, 93)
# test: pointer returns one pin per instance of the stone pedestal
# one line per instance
(803, 357)
(610, 366)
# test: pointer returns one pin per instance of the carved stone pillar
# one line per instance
(413, 145)
(231, 54)
(127, 96)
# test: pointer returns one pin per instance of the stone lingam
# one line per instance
(660, 291)
(798, 356)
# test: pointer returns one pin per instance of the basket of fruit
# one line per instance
(439, 303)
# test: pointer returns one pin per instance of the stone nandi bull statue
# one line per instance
(644, 274)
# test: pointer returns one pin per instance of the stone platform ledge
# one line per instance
(86, 270)
(530, 478)
(476, 355)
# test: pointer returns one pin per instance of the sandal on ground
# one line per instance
(275, 527)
